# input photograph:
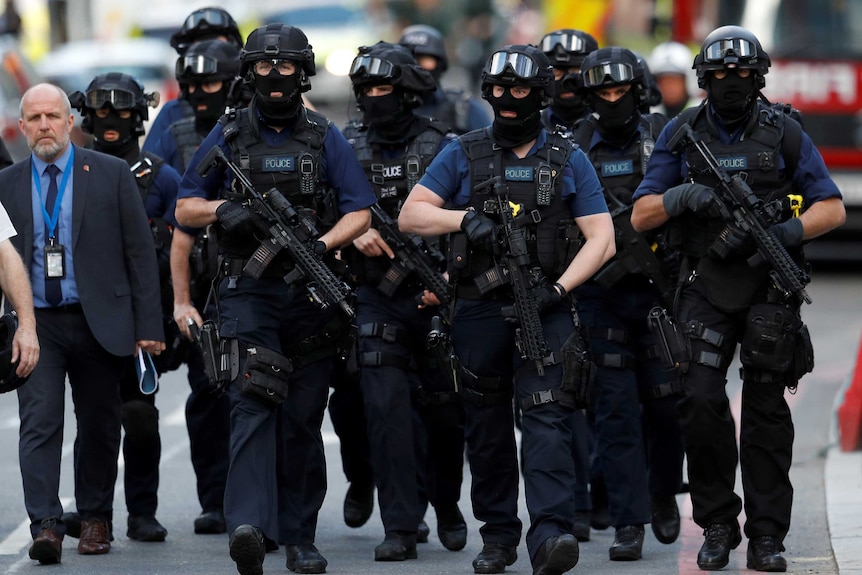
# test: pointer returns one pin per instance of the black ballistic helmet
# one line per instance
(567, 48)
(207, 61)
(120, 92)
(613, 66)
(731, 47)
(424, 40)
(278, 42)
(204, 24)
(385, 63)
(519, 65)
(9, 381)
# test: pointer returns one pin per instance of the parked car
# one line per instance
(17, 74)
(335, 30)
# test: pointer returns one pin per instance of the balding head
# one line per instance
(46, 120)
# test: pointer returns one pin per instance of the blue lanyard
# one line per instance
(51, 221)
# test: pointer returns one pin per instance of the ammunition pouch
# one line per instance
(569, 243)
(220, 355)
(266, 376)
(578, 371)
(672, 345)
(774, 336)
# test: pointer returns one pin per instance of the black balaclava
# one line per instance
(512, 132)
(388, 117)
(278, 111)
(617, 120)
(113, 122)
(732, 97)
(568, 109)
(215, 104)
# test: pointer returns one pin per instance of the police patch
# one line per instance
(278, 164)
(519, 174)
(619, 168)
(733, 162)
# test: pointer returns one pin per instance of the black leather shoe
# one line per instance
(72, 520)
(146, 528)
(556, 555)
(247, 549)
(358, 504)
(210, 523)
(451, 528)
(764, 554)
(665, 519)
(720, 538)
(494, 558)
(396, 546)
(581, 526)
(422, 532)
(305, 558)
(628, 543)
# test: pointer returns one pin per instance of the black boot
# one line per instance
(665, 518)
(396, 546)
(628, 543)
(720, 538)
(358, 504)
(494, 558)
(146, 528)
(451, 527)
(764, 554)
(556, 555)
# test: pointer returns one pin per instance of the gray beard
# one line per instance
(49, 152)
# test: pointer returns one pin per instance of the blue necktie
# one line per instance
(53, 290)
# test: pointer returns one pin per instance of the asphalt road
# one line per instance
(835, 320)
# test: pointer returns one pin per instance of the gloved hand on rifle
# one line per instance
(548, 296)
(789, 233)
(232, 215)
(480, 230)
(696, 197)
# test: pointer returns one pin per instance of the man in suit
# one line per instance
(96, 293)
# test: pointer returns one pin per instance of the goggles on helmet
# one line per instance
(198, 65)
(619, 73)
(373, 66)
(284, 67)
(520, 64)
(718, 51)
(570, 42)
(118, 99)
(207, 18)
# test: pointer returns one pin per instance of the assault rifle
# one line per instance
(745, 210)
(635, 255)
(528, 335)
(290, 231)
(412, 254)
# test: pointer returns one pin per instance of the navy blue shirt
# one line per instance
(448, 176)
(162, 194)
(340, 169)
(172, 111)
(666, 169)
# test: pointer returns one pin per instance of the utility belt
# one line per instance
(230, 266)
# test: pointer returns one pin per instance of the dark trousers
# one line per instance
(208, 423)
(619, 340)
(350, 426)
(69, 348)
(142, 444)
(765, 439)
(277, 475)
(485, 344)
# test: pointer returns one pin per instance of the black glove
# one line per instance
(319, 248)
(696, 197)
(789, 233)
(548, 296)
(231, 215)
(480, 230)
(734, 239)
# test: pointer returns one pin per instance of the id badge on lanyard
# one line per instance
(55, 260)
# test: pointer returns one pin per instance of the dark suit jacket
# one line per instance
(112, 246)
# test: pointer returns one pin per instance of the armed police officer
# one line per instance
(729, 297)
(566, 49)
(209, 23)
(398, 372)
(114, 108)
(454, 108)
(272, 331)
(519, 194)
(641, 478)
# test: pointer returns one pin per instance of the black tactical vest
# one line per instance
(534, 184)
(391, 179)
(294, 168)
(756, 154)
(187, 140)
